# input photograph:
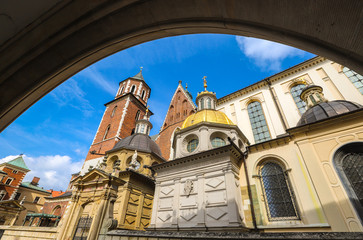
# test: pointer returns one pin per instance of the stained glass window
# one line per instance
(295, 92)
(258, 122)
(192, 145)
(277, 193)
(355, 78)
(218, 142)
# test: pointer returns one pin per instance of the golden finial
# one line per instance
(147, 109)
(141, 69)
(205, 83)
(186, 86)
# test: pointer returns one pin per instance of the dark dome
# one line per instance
(326, 110)
(139, 142)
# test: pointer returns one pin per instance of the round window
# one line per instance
(218, 142)
(192, 145)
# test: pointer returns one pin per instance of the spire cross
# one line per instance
(205, 83)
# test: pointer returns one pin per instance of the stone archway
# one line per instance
(74, 34)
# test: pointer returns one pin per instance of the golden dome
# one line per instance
(207, 115)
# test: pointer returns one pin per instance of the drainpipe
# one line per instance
(249, 191)
(267, 80)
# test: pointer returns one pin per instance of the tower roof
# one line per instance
(19, 162)
(139, 75)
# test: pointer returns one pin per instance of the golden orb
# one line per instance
(207, 115)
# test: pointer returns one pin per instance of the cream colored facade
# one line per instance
(318, 71)
(305, 153)
(31, 206)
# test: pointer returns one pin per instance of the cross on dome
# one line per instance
(205, 83)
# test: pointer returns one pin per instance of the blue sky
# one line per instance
(56, 132)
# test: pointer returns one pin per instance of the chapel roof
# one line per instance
(139, 142)
(326, 110)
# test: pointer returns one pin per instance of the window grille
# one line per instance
(278, 195)
(353, 168)
(218, 142)
(258, 122)
(295, 92)
(83, 227)
(355, 78)
(192, 145)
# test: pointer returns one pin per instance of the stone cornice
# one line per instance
(264, 82)
(232, 148)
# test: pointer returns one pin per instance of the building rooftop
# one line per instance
(19, 162)
(29, 185)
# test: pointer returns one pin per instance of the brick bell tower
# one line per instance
(121, 114)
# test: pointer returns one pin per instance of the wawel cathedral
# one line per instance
(282, 155)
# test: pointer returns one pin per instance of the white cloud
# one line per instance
(266, 54)
(69, 93)
(54, 171)
(95, 76)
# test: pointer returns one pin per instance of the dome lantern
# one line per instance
(206, 99)
(312, 95)
(144, 126)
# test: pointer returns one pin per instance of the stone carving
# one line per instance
(188, 215)
(166, 190)
(164, 216)
(188, 187)
(216, 213)
(215, 182)
(134, 164)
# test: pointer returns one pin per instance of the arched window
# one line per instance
(133, 89)
(106, 132)
(295, 92)
(121, 90)
(355, 78)
(137, 116)
(202, 103)
(143, 94)
(258, 122)
(209, 103)
(277, 192)
(348, 162)
(113, 111)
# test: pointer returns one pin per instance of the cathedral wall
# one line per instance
(287, 155)
(319, 71)
(318, 147)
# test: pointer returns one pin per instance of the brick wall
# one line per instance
(180, 108)
(17, 179)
